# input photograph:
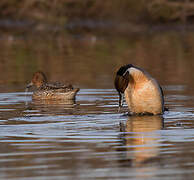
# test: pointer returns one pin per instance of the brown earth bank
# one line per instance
(61, 12)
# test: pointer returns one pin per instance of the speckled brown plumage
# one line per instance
(56, 90)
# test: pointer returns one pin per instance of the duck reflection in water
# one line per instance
(139, 138)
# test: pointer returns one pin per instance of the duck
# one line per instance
(50, 91)
(142, 92)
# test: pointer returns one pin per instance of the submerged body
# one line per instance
(142, 93)
(51, 91)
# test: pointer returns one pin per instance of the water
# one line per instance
(90, 138)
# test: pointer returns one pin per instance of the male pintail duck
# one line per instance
(51, 91)
(142, 93)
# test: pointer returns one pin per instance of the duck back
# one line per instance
(144, 95)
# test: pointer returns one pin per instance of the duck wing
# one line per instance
(56, 86)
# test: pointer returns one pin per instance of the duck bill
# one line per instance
(121, 96)
(29, 85)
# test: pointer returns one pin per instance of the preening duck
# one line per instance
(142, 92)
(51, 91)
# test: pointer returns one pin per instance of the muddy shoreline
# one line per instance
(90, 26)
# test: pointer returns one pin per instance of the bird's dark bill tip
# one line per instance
(120, 99)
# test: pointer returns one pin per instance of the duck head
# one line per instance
(38, 80)
(121, 81)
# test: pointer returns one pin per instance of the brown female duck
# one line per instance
(51, 91)
(142, 93)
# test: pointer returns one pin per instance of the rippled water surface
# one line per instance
(90, 139)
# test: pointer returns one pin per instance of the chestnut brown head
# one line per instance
(38, 80)
(121, 81)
